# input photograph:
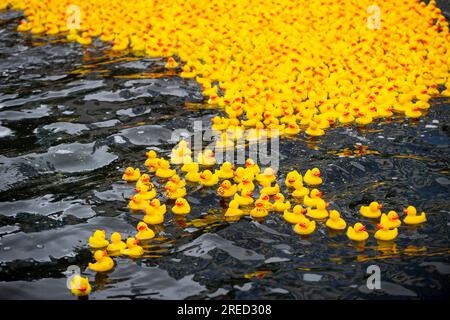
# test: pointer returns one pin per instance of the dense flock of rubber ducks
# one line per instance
(287, 66)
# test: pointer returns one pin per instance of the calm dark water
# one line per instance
(71, 120)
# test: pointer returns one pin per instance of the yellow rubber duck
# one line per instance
(181, 207)
(300, 191)
(292, 129)
(206, 158)
(291, 178)
(147, 192)
(265, 198)
(305, 227)
(390, 220)
(363, 119)
(412, 217)
(245, 198)
(152, 160)
(357, 232)
(260, 209)
(279, 205)
(152, 216)
(181, 154)
(144, 232)
(233, 209)
(208, 179)
(246, 182)
(346, 117)
(227, 189)
(193, 176)
(190, 167)
(267, 177)
(80, 286)
(164, 170)
(252, 166)
(313, 199)
(178, 181)
(372, 211)
(226, 171)
(156, 208)
(98, 239)
(385, 234)
(312, 177)
(320, 213)
(144, 180)
(413, 112)
(102, 263)
(314, 130)
(297, 214)
(23, 26)
(335, 221)
(173, 191)
(239, 174)
(116, 243)
(133, 248)
(171, 63)
(131, 174)
(137, 203)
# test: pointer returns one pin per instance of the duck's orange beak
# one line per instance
(363, 228)
(304, 210)
(260, 204)
(138, 190)
(82, 288)
(405, 211)
(302, 224)
(136, 242)
(291, 181)
(327, 205)
(380, 206)
(380, 226)
(396, 218)
(319, 194)
(105, 253)
(317, 174)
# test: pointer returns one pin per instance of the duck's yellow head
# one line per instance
(116, 237)
(298, 209)
(175, 179)
(234, 204)
(278, 197)
(322, 205)
(315, 193)
(239, 172)
(132, 242)
(298, 184)
(313, 125)
(392, 215)
(171, 187)
(100, 254)
(129, 171)
(315, 172)
(227, 166)
(293, 176)
(142, 226)
(100, 234)
(247, 193)
(206, 175)
(137, 198)
(226, 184)
(304, 223)
(359, 227)
(155, 203)
(374, 206)
(216, 120)
(410, 211)
(163, 164)
(269, 172)
(151, 154)
(181, 202)
(145, 178)
(334, 215)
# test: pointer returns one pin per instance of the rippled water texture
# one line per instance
(71, 120)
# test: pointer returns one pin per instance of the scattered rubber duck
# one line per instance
(98, 239)
(137, 203)
(155, 207)
(260, 209)
(390, 220)
(190, 167)
(357, 232)
(294, 217)
(239, 174)
(279, 205)
(181, 183)
(372, 211)
(226, 171)
(181, 207)
(102, 263)
(80, 286)
(314, 130)
(312, 177)
(300, 190)
(305, 227)
(147, 192)
(164, 170)
(171, 63)
(152, 161)
(313, 199)
(233, 209)
(291, 178)
(144, 180)
(245, 198)
(385, 234)
(269, 189)
(246, 182)
(131, 174)
(193, 176)
(133, 248)
(227, 189)
(320, 213)
(206, 158)
(116, 243)
(412, 217)
(267, 177)
(152, 216)
(173, 191)
(208, 179)
(252, 166)
(144, 232)
(335, 221)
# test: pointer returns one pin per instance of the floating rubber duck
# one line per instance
(292, 129)
(279, 205)
(147, 192)
(173, 191)
(363, 119)
(155, 207)
(260, 209)
(385, 234)
(313, 199)
(152, 216)
(413, 112)
(291, 178)
(190, 167)
(226, 171)
(312, 177)
(133, 248)
(300, 190)
(252, 166)
(178, 181)
(137, 202)
(144, 180)
(193, 176)
(144, 232)
(246, 182)
(412, 217)
(80, 286)
(152, 161)
(116, 243)
(267, 177)
(206, 158)
(181, 207)
(335, 221)
(346, 117)
(265, 198)
(239, 174)
(357, 232)
(305, 227)
(181, 154)
(245, 198)
(171, 63)
(226, 189)
(372, 211)
(98, 239)
(131, 174)
(164, 170)
(102, 263)
(314, 130)
(390, 220)
(297, 214)
(233, 209)
(208, 179)
(320, 213)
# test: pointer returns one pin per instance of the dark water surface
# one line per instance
(71, 120)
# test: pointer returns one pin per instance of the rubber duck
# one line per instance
(245, 198)
(98, 239)
(357, 232)
(267, 177)
(178, 181)
(390, 220)
(385, 234)
(102, 262)
(144, 232)
(291, 177)
(233, 209)
(144, 180)
(23, 26)
(147, 192)
(312, 177)
(227, 189)
(206, 158)
(251, 165)
(152, 216)
(313, 199)
(190, 167)
(181, 207)
(155, 207)
(181, 154)
(152, 161)
(171, 63)
(412, 217)
(260, 209)
(413, 112)
(305, 227)
(270, 190)
(193, 176)
(335, 221)
(346, 117)
(279, 205)
(294, 217)
(116, 243)
(173, 191)
(299, 190)
(363, 119)
(320, 213)
(137, 202)
(131, 174)
(226, 171)
(372, 211)
(265, 198)
(239, 174)
(292, 129)
(208, 179)
(133, 248)
(246, 182)
(80, 286)
(164, 170)
(314, 130)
